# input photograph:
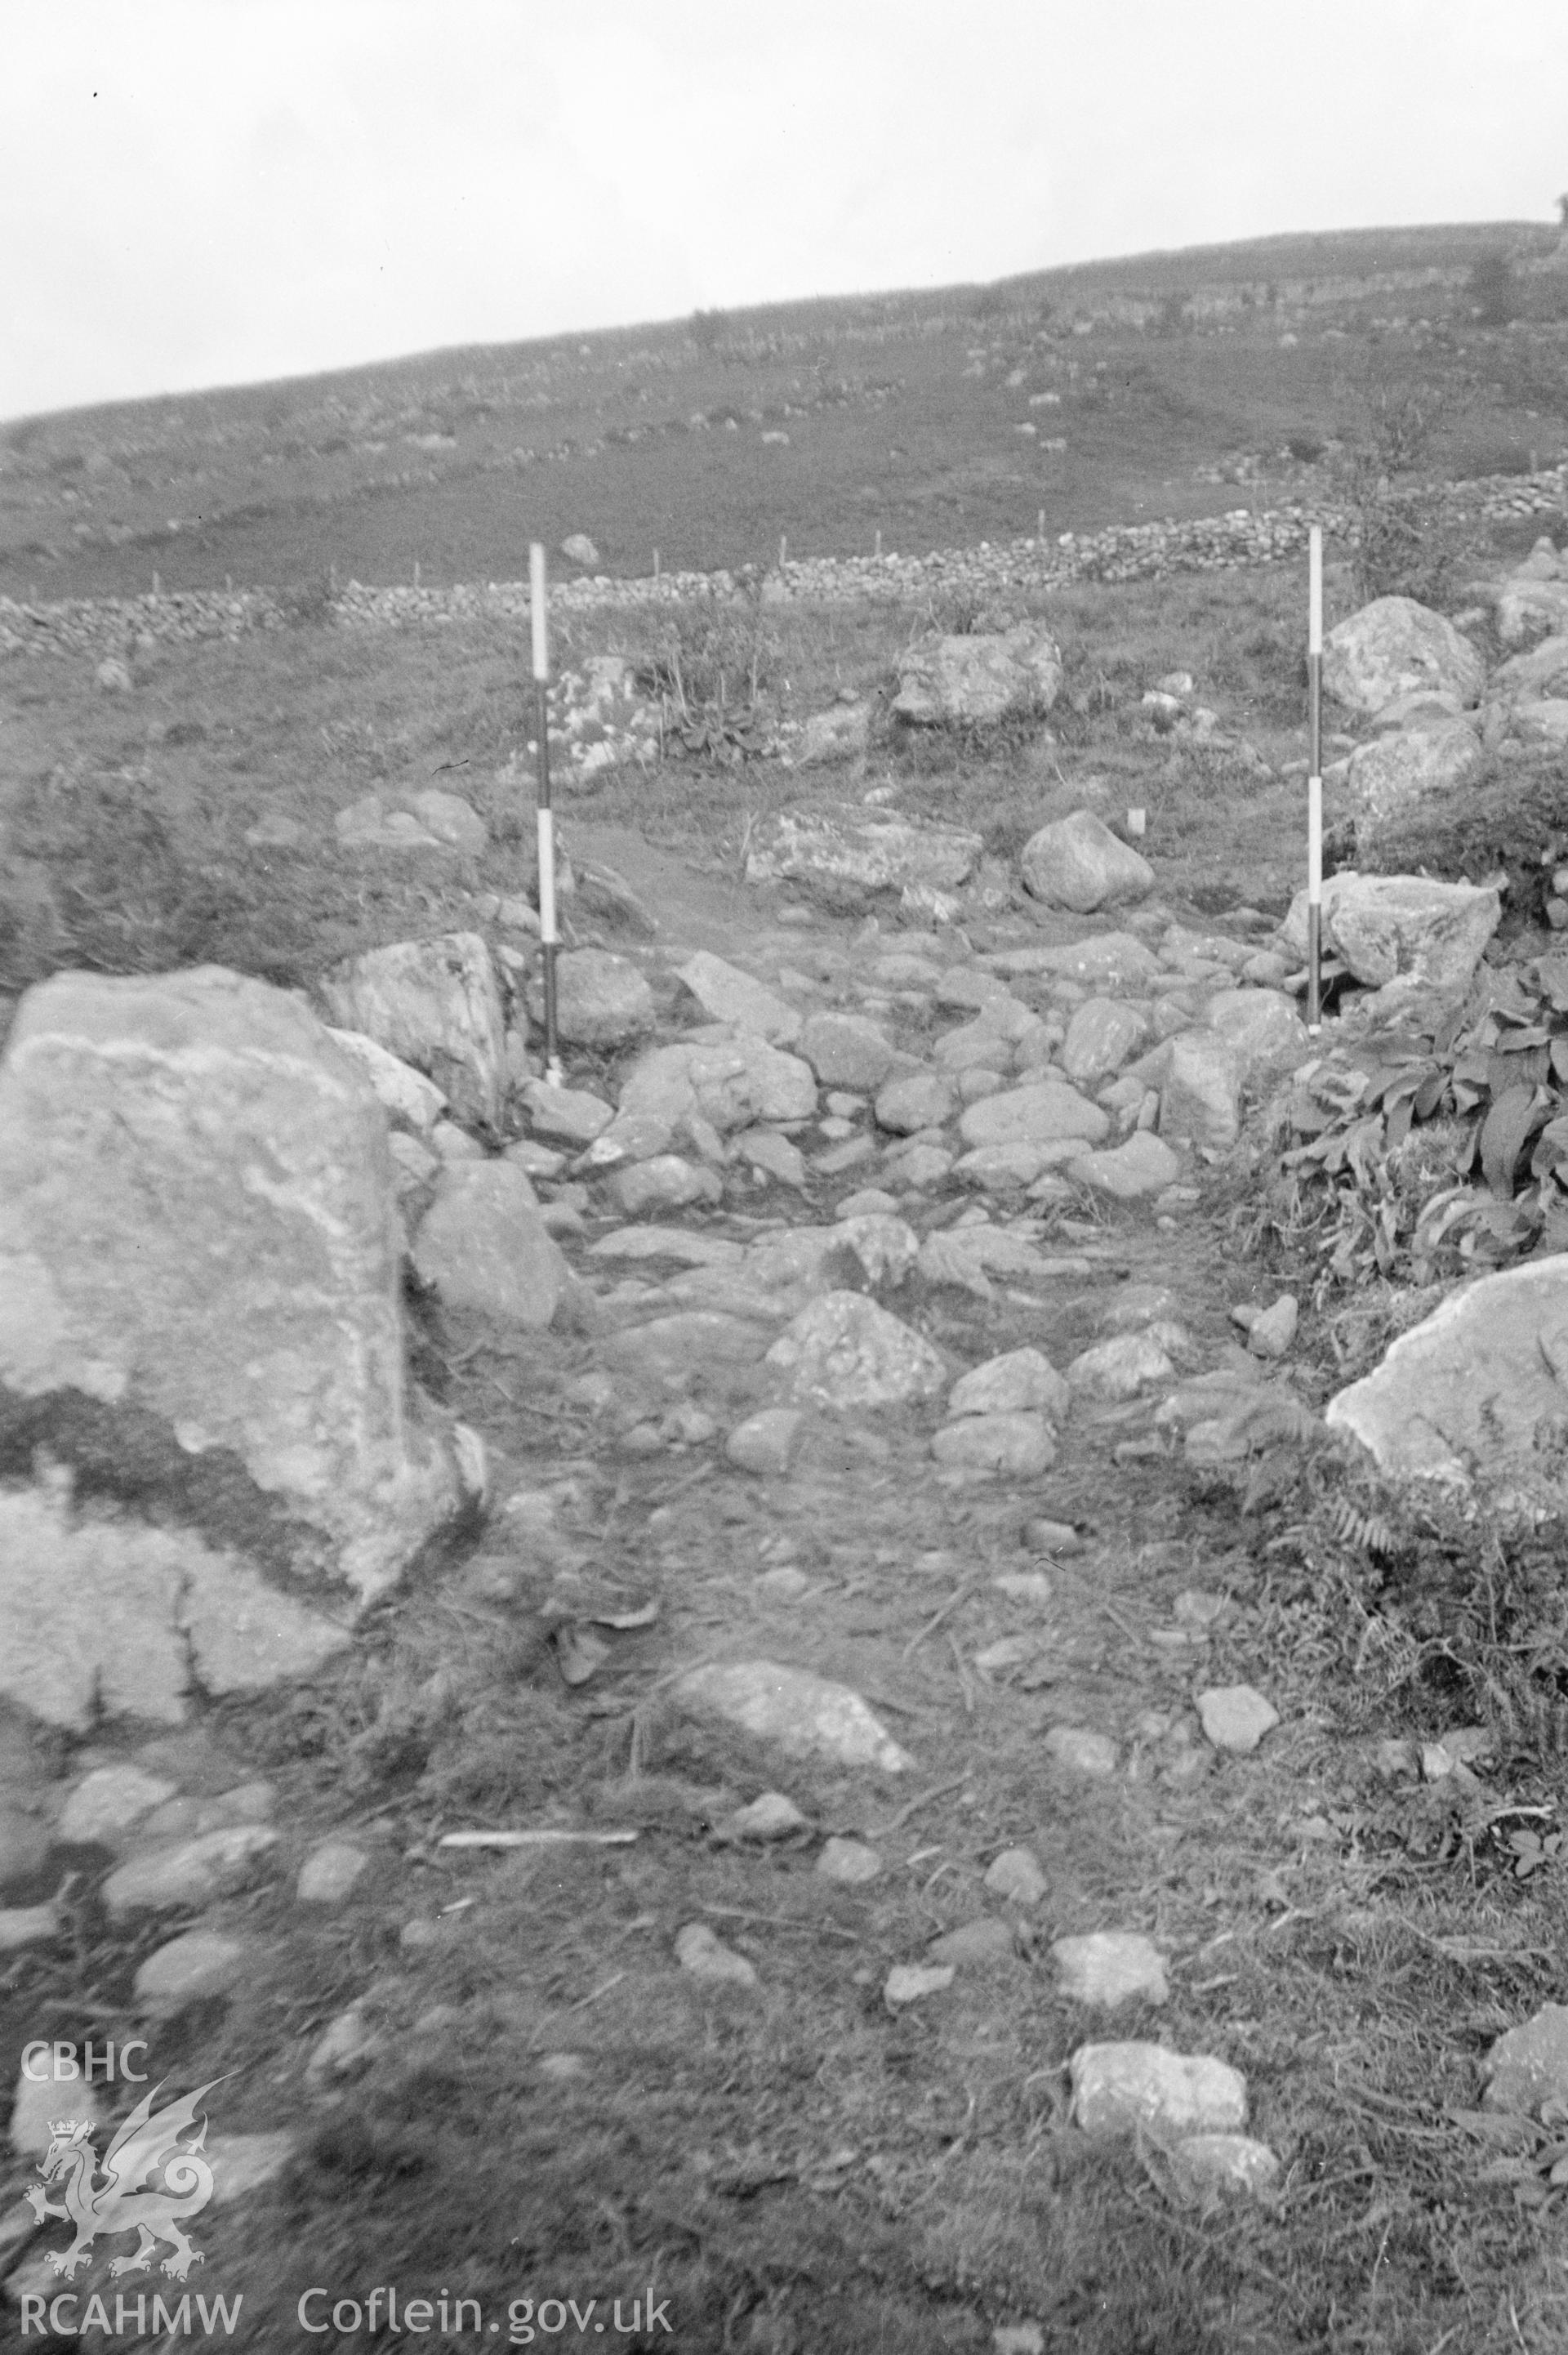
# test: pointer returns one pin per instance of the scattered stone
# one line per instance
(1031, 1586)
(110, 1801)
(770, 1817)
(483, 1245)
(1261, 1027)
(368, 823)
(1476, 1389)
(1020, 1445)
(1078, 863)
(1394, 646)
(1270, 1333)
(331, 1873)
(729, 994)
(1236, 1718)
(1019, 1382)
(1201, 1101)
(1104, 1034)
(35, 2106)
(1119, 2088)
(765, 1150)
(1210, 2165)
(450, 820)
(112, 676)
(909, 1983)
(849, 1861)
(729, 1078)
(433, 1003)
(189, 1873)
(570, 1113)
(601, 1000)
(978, 679)
(665, 1182)
(1121, 1367)
(1015, 1874)
(1111, 1966)
(925, 1100)
(1529, 2065)
(1018, 2338)
(1046, 1112)
(1081, 1751)
(580, 550)
(867, 850)
(1144, 1166)
(765, 1442)
(1053, 1537)
(27, 1925)
(348, 2044)
(845, 1050)
(846, 1351)
(806, 1715)
(190, 1970)
(871, 1201)
(698, 1951)
(986, 1939)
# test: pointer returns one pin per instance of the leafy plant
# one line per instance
(1488, 1084)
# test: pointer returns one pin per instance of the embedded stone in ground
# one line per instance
(663, 1182)
(1529, 2064)
(705, 1957)
(1015, 1874)
(330, 1873)
(806, 1715)
(1145, 1164)
(846, 1351)
(483, 1245)
(845, 1050)
(1207, 2164)
(1118, 2088)
(1236, 1718)
(765, 1442)
(850, 1861)
(773, 1817)
(601, 1000)
(974, 1943)
(1019, 1382)
(188, 1970)
(570, 1113)
(109, 1801)
(190, 1873)
(729, 995)
(1020, 1445)
(909, 1983)
(1121, 1367)
(1080, 1751)
(1111, 1966)
(1045, 1112)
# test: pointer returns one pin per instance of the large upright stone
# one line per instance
(1480, 1387)
(434, 1003)
(200, 1304)
(974, 681)
(1078, 863)
(1394, 646)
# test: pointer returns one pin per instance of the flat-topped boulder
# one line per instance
(1077, 862)
(866, 848)
(1043, 1113)
(1392, 926)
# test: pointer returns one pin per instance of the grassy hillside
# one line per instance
(1094, 395)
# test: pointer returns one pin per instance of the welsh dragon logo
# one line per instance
(151, 2181)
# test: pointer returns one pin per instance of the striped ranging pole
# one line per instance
(548, 937)
(1315, 782)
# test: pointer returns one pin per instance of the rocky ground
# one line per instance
(871, 1838)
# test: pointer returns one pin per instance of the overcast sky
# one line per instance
(206, 192)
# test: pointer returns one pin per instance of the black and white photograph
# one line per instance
(784, 1177)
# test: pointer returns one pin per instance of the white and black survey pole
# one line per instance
(1315, 781)
(548, 937)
